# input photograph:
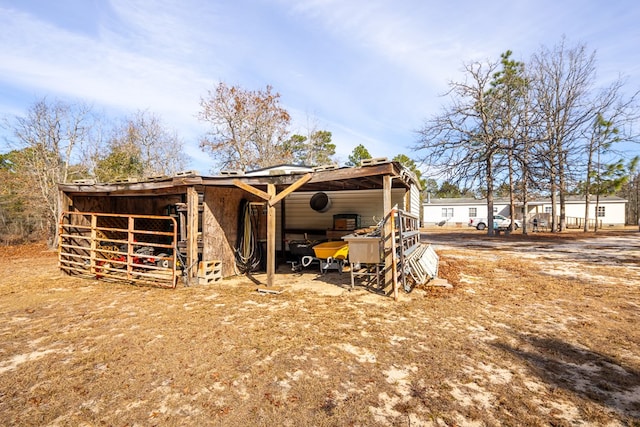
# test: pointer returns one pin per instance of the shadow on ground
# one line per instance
(589, 375)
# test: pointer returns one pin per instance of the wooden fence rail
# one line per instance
(138, 249)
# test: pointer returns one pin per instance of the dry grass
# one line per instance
(542, 337)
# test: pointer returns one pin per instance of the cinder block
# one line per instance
(374, 161)
(209, 272)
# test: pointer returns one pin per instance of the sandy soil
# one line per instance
(537, 330)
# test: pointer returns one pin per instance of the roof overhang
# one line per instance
(357, 178)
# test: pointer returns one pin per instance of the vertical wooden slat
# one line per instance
(131, 239)
(388, 226)
(192, 232)
(271, 236)
(394, 256)
(93, 244)
(401, 228)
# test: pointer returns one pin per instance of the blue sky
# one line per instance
(369, 71)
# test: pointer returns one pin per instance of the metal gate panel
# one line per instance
(138, 249)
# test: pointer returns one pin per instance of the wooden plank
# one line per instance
(290, 189)
(251, 189)
(130, 246)
(271, 237)
(401, 240)
(93, 243)
(186, 180)
(387, 233)
(345, 178)
(192, 231)
(124, 187)
(351, 173)
(220, 226)
(394, 256)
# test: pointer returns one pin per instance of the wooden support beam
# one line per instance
(290, 189)
(271, 237)
(192, 232)
(272, 198)
(251, 189)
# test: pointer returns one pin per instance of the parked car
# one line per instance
(499, 222)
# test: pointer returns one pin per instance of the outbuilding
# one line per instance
(108, 229)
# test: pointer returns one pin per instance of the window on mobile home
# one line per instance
(447, 212)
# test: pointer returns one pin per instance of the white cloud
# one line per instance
(53, 61)
(371, 71)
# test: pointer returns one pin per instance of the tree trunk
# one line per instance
(554, 200)
(562, 187)
(490, 229)
(512, 204)
(587, 190)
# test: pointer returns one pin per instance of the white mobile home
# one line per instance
(455, 212)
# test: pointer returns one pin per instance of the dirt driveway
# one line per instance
(572, 254)
(538, 330)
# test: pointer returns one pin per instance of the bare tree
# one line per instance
(48, 137)
(562, 80)
(21, 214)
(462, 141)
(142, 146)
(248, 129)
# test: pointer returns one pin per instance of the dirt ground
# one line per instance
(538, 330)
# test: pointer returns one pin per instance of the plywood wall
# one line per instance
(220, 225)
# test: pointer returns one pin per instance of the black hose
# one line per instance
(248, 251)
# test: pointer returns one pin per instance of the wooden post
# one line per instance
(394, 255)
(192, 232)
(271, 236)
(388, 228)
(283, 223)
(271, 198)
(93, 244)
(407, 200)
(130, 246)
(64, 203)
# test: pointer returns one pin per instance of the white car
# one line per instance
(499, 221)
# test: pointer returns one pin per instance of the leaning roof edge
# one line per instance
(195, 178)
